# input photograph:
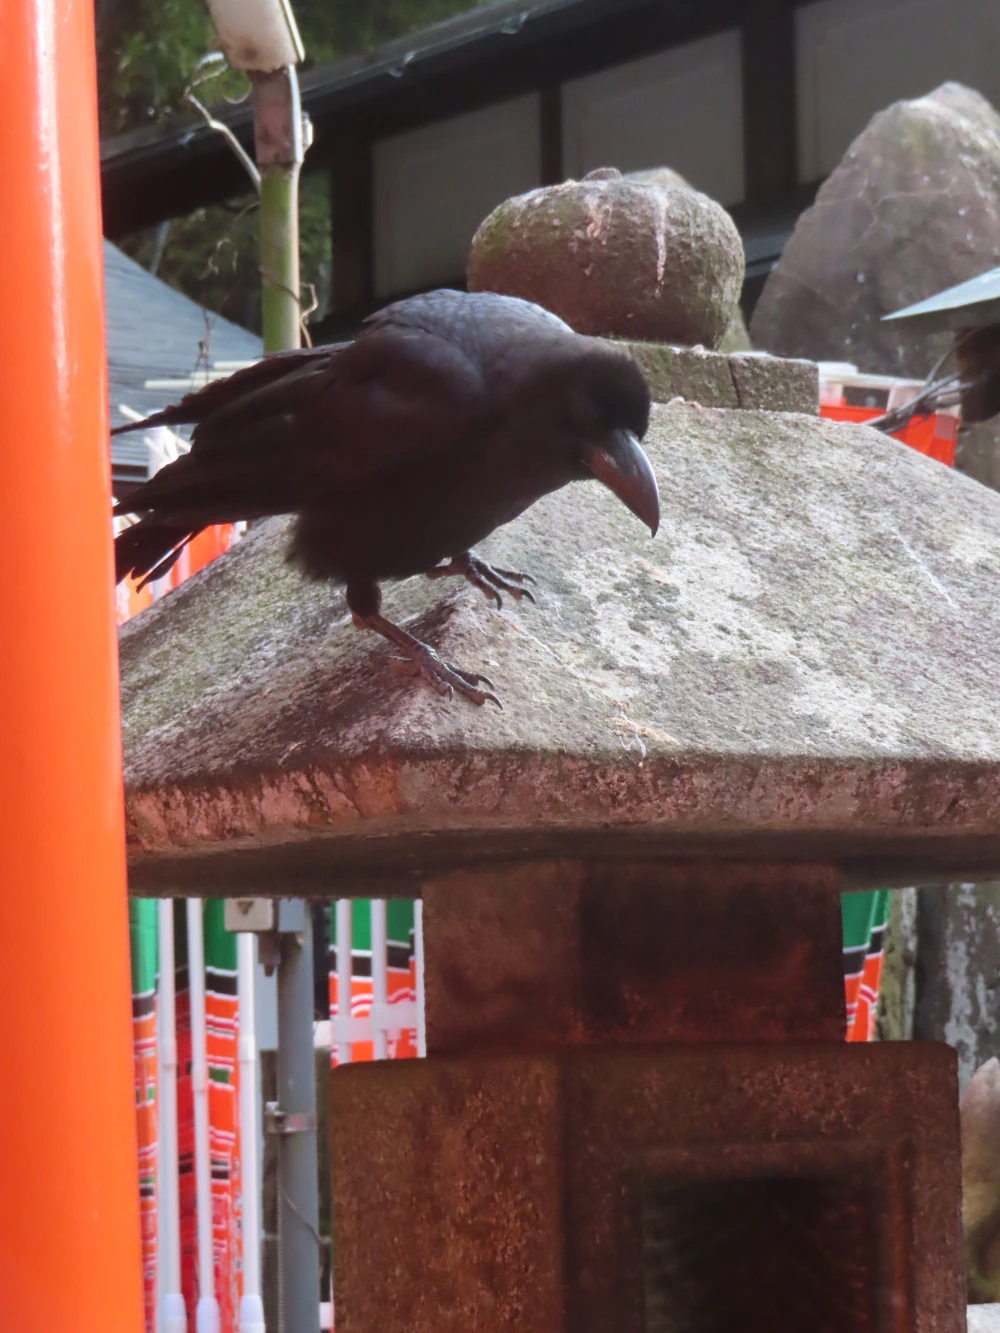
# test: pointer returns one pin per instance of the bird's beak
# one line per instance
(619, 462)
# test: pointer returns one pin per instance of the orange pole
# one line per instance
(69, 1225)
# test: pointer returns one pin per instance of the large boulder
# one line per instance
(642, 257)
(913, 208)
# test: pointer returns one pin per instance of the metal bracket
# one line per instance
(277, 1121)
(268, 919)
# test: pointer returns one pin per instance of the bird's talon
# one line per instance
(446, 679)
(516, 575)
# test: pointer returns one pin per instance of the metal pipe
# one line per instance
(173, 1317)
(298, 1166)
(207, 1309)
(418, 954)
(69, 1208)
(345, 976)
(380, 1043)
(251, 1306)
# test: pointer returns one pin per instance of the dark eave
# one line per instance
(495, 51)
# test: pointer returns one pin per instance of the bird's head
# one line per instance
(607, 407)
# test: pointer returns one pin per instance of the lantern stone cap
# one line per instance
(802, 665)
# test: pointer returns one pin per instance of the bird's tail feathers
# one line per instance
(147, 550)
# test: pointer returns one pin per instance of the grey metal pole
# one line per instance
(295, 1124)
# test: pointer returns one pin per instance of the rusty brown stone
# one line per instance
(979, 1113)
(780, 1187)
(543, 955)
(618, 256)
(438, 1217)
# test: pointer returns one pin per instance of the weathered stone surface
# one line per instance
(770, 384)
(958, 972)
(781, 1187)
(980, 1120)
(737, 337)
(585, 953)
(913, 208)
(628, 257)
(437, 1215)
(719, 379)
(977, 452)
(802, 665)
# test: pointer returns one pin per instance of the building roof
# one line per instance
(968, 305)
(156, 333)
(488, 53)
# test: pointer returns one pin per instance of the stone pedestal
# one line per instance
(638, 1114)
(569, 953)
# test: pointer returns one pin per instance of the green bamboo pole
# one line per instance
(279, 256)
(281, 141)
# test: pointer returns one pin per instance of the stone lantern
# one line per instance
(638, 1112)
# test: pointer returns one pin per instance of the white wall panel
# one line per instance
(681, 108)
(855, 57)
(434, 185)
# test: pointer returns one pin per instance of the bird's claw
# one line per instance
(446, 678)
(490, 582)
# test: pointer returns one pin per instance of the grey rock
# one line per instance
(618, 256)
(737, 337)
(803, 662)
(959, 972)
(977, 452)
(913, 208)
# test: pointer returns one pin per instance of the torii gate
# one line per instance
(69, 1225)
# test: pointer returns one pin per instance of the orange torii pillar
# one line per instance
(69, 1224)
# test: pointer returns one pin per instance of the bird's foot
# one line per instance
(491, 582)
(446, 678)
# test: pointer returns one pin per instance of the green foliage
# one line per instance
(147, 61)
(213, 254)
(148, 55)
(332, 29)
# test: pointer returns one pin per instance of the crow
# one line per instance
(447, 416)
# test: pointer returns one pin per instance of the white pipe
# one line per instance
(418, 954)
(251, 1305)
(172, 1315)
(343, 976)
(207, 1312)
(380, 1046)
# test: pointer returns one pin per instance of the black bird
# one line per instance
(448, 415)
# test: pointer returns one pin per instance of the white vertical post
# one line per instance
(344, 976)
(380, 1018)
(207, 1313)
(172, 1315)
(251, 1305)
(418, 955)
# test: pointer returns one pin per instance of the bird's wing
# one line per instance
(325, 421)
(280, 368)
